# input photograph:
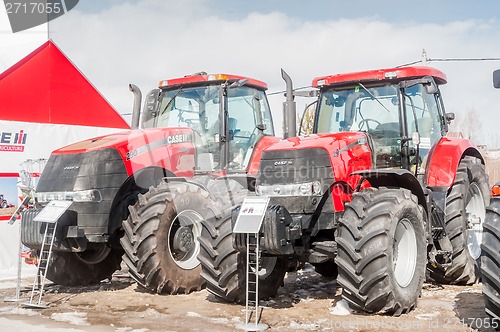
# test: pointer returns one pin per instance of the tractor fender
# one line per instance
(444, 159)
(137, 183)
(395, 178)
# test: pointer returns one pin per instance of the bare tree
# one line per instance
(467, 124)
(306, 122)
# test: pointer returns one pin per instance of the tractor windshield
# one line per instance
(359, 109)
(199, 109)
(376, 110)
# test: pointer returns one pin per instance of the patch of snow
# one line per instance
(18, 311)
(151, 312)
(192, 314)
(220, 320)
(268, 303)
(341, 309)
(429, 316)
(307, 269)
(129, 329)
(75, 318)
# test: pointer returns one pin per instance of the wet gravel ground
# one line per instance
(307, 302)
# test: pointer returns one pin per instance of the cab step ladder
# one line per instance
(43, 265)
(252, 310)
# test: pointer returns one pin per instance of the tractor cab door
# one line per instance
(422, 113)
(249, 118)
(376, 112)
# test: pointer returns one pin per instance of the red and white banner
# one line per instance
(19, 142)
(46, 103)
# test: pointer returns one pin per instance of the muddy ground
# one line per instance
(307, 302)
(8, 211)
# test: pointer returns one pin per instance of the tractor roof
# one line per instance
(379, 75)
(204, 78)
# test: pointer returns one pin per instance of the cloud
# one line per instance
(13, 47)
(146, 41)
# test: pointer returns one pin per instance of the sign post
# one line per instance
(249, 222)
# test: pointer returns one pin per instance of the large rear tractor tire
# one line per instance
(223, 267)
(464, 215)
(161, 233)
(84, 268)
(382, 251)
(490, 262)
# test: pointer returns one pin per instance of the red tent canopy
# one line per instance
(45, 87)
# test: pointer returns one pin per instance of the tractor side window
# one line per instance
(331, 112)
(423, 117)
(244, 104)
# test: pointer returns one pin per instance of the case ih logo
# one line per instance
(13, 142)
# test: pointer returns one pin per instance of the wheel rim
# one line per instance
(183, 236)
(405, 252)
(476, 212)
(95, 255)
(266, 266)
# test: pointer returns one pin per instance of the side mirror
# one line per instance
(415, 138)
(496, 78)
(449, 117)
(150, 107)
(151, 102)
(258, 112)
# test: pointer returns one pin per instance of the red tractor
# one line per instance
(377, 195)
(490, 249)
(3, 203)
(143, 193)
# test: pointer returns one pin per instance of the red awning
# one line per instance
(46, 87)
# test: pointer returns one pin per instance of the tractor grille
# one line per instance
(103, 170)
(31, 231)
(294, 166)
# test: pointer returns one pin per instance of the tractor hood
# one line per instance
(128, 140)
(344, 152)
(329, 142)
(168, 148)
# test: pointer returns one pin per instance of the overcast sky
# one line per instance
(117, 42)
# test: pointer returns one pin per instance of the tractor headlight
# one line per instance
(91, 195)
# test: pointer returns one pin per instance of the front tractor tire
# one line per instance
(161, 233)
(84, 268)
(224, 268)
(490, 262)
(382, 251)
(464, 215)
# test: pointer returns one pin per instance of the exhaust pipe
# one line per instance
(289, 109)
(136, 111)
